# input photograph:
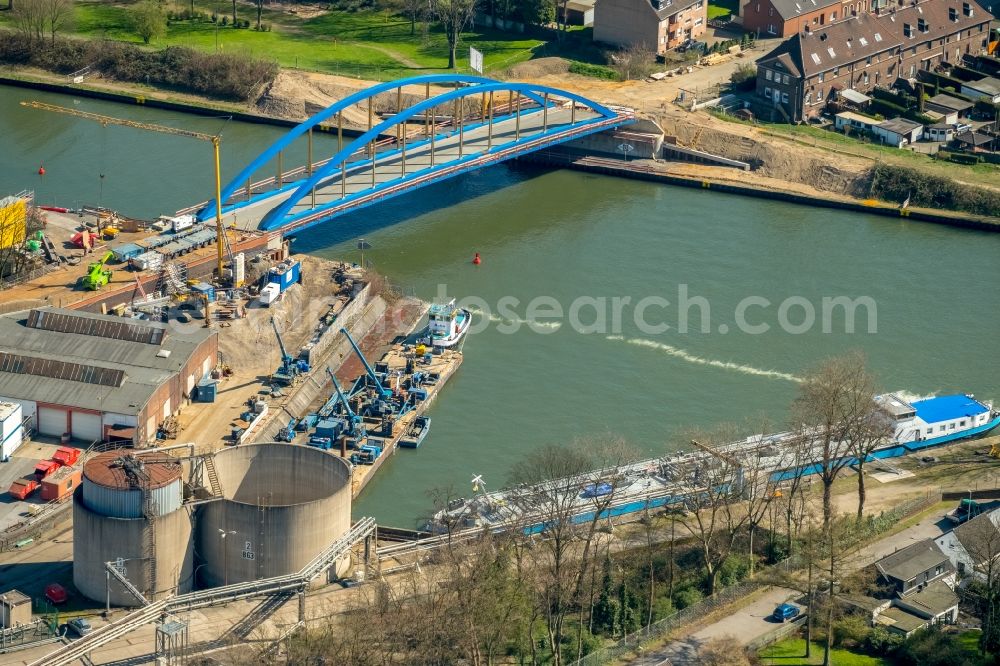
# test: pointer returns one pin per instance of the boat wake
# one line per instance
(497, 319)
(687, 356)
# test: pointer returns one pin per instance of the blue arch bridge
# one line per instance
(452, 124)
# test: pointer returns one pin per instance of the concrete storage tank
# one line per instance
(284, 504)
(112, 521)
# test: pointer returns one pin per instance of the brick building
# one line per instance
(784, 18)
(658, 25)
(866, 51)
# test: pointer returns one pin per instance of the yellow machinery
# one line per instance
(215, 140)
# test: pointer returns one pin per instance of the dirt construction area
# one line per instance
(248, 346)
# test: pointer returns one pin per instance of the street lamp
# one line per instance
(225, 556)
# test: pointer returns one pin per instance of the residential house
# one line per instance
(913, 567)
(943, 132)
(898, 132)
(658, 25)
(973, 546)
(850, 122)
(951, 107)
(866, 51)
(922, 579)
(987, 89)
(580, 12)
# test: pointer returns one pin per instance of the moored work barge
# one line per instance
(681, 478)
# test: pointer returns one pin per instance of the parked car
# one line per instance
(786, 612)
(79, 626)
(56, 593)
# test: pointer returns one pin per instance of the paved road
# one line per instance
(750, 622)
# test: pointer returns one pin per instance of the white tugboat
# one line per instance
(446, 325)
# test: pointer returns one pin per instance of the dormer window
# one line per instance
(907, 30)
(952, 14)
(966, 9)
(921, 25)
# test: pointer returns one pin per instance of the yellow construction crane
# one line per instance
(215, 140)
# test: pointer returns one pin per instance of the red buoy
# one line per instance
(476, 260)
(41, 171)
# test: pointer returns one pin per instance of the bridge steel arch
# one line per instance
(278, 217)
(208, 211)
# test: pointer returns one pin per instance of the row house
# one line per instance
(867, 51)
(784, 18)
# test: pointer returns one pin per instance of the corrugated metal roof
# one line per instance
(144, 370)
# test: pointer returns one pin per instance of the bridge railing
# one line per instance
(292, 175)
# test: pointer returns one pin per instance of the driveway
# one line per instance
(744, 624)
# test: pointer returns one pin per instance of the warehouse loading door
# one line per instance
(87, 427)
(51, 422)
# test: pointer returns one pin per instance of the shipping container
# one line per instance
(206, 290)
(181, 222)
(61, 484)
(148, 261)
(269, 294)
(11, 428)
(127, 251)
(206, 390)
(285, 274)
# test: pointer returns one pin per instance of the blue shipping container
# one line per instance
(127, 251)
(205, 290)
(285, 274)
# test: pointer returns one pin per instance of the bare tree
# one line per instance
(58, 14)
(866, 425)
(633, 62)
(832, 399)
(455, 16)
(980, 537)
(234, 13)
(260, 8)
(713, 484)
(414, 9)
(550, 481)
(29, 18)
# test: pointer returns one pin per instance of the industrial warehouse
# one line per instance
(96, 377)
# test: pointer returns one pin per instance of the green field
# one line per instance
(368, 43)
(791, 653)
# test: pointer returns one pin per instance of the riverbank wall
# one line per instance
(156, 102)
(657, 172)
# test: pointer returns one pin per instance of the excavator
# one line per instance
(97, 275)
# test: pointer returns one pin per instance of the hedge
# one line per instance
(223, 76)
(595, 71)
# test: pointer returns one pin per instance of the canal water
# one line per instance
(927, 314)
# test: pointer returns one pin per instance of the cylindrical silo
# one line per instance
(284, 504)
(112, 521)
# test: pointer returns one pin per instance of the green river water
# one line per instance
(567, 235)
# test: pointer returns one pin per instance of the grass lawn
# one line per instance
(368, 43)
(791, 653)
(719, 8)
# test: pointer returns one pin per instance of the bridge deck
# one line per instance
(361, 187)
